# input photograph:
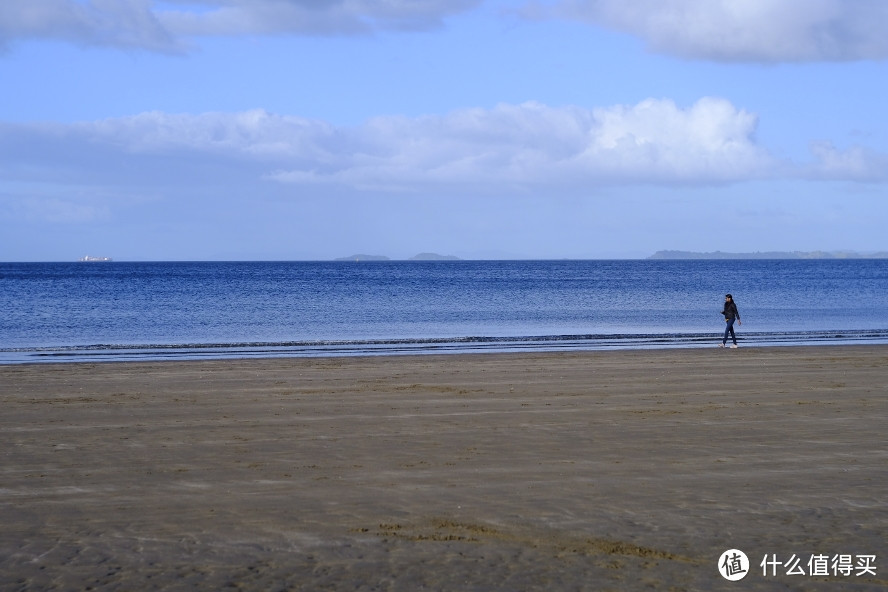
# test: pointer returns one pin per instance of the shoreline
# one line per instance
(532, 471)
(431, 346)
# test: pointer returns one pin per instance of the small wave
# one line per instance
(464, 344)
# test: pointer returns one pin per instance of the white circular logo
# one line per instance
(733, 565)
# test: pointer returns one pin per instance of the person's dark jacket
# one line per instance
(730, 311)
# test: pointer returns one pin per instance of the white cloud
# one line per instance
(254, 134)
(142, 24)
(316, 17)
(743, 30)
(501, 150)
(857, 163)
(529, 148)
(116, 23)
(725, 30)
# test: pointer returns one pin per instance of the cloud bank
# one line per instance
(720, 30)
(747, 30)
(141, 24)
(528, 148)
(312, 17)
(124, 24)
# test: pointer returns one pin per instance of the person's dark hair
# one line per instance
(729, 296)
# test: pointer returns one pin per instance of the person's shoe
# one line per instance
(734, 346)
(721, 344)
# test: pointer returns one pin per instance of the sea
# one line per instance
(116, 311)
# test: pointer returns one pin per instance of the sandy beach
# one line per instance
(567, 471)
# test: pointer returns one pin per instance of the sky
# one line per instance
(485, 129)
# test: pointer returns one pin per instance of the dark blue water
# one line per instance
(116, 311)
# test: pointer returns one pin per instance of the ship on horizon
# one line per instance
(91, 259)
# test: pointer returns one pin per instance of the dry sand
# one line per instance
(566, 471)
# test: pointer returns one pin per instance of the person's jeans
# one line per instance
(730, 330)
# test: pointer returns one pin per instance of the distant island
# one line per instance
(769, 255)
(420, 257)
(433, 257)
(362, 257)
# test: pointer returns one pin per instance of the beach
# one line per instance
(614, 470)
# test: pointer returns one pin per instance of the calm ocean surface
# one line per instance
(148, 311)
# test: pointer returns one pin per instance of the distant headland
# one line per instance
(770, 255)
(668, 255)
(433, 257)
(420, 257)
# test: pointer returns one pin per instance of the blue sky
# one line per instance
(314, 129)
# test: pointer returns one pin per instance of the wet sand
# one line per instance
(567, 471)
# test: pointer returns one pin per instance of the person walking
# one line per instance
(731, 314)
